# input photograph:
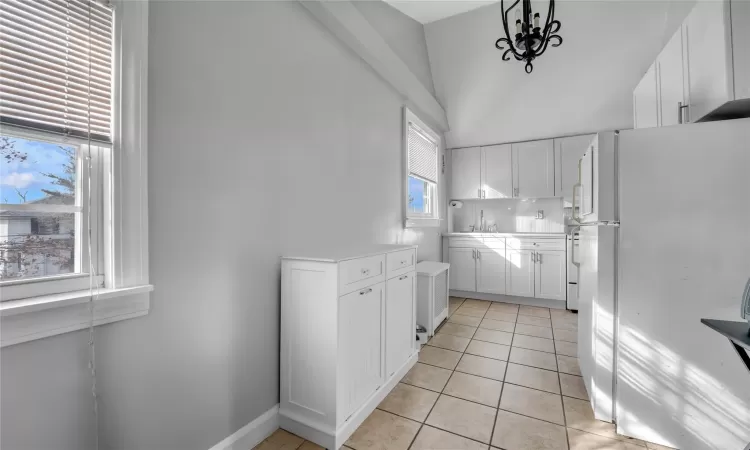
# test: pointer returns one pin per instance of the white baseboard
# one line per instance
(333, 439)
(253, 433)
(530, 301)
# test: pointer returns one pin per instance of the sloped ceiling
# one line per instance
(427, 11)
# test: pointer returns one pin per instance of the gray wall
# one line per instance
(265, 133)
(403, 34)
(583, 86)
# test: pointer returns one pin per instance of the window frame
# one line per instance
(122, 289)
(414, 219)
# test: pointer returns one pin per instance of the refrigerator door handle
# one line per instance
(573, 247)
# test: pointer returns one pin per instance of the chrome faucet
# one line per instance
(482, 227)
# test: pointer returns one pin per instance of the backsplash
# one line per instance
(511, 215)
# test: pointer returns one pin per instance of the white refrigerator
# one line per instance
(664, 240)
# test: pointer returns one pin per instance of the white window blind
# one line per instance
(56, 66)
(422, 154)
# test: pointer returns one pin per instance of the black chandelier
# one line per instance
(530, 40)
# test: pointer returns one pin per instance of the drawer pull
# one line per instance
(403, 262)
(365, 271)
(366, 291)
(403, 277)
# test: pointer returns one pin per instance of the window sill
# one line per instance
(422, 223)
(39, 317)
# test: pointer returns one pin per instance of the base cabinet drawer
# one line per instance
(362, 272)
(399, 262)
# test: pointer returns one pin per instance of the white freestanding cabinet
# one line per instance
(432, 294)
(497, 172)
(568, 151)
(348, 324)
(466, 173)
(646, 100)
(534, 169)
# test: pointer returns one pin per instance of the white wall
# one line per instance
(583, 86)
(265, 133)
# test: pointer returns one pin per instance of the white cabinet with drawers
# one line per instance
(348, 324)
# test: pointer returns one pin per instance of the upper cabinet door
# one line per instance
(709, 58)
(534, 169)
(497, 172)
(567, 153)
(646, 101)
(671, 83)
(465, 171)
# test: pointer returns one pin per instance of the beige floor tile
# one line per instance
(499, 325)
(516, 432)
(531, 330)
(535, 311)
(307, 445)
(456, 329)
(573, 386)
(484, 367)
(488, 350)
(536, 321)
(504, 316)
(580, 440)
(652, 446)
(545, 380)
(456, 300)
(464, 418)
(435, 356)
(474, 388)
(384, 431)
(533, 358)
(564, 325)
(280, 440)
(580, 416)
(504, 307)
(566, 348)
(409, 401)
(450, 342)
(494, 336)
(452, 309)
(533, 343)
(468, 311)
(532, 403)
(465, 320)
(474, 303)
(428, 377)
(565, 335)
(430, 438)
(568, 364)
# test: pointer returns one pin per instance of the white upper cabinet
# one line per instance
(497, 172)
(646, 101)
(534, 169)
(568, 151)
(466, 173)
(669, 70)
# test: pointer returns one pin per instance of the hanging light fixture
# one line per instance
(530, 40)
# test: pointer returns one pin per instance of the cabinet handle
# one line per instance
(403, 262)
(680, 108)
(539, 258)
(365, 271)
(484, 193)
(479, 193)
(533, 257)
(366, 291)
(474, 253)
(403, 277)
(479, 254)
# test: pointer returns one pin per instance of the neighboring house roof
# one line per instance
(48, 200)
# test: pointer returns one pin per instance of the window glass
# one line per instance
(38, 213)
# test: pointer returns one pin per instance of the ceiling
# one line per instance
(426, 11)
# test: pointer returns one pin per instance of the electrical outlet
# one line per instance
(540, 214)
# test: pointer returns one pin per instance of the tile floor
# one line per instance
(496, 375)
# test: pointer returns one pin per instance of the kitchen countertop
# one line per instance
(499, 235)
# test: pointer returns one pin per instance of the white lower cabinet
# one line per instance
(535, 267)
(520, 273)
(463, 269)
(347, 338)
(550, 275)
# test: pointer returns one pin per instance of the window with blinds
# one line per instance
(422, 157)
(56, 66)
